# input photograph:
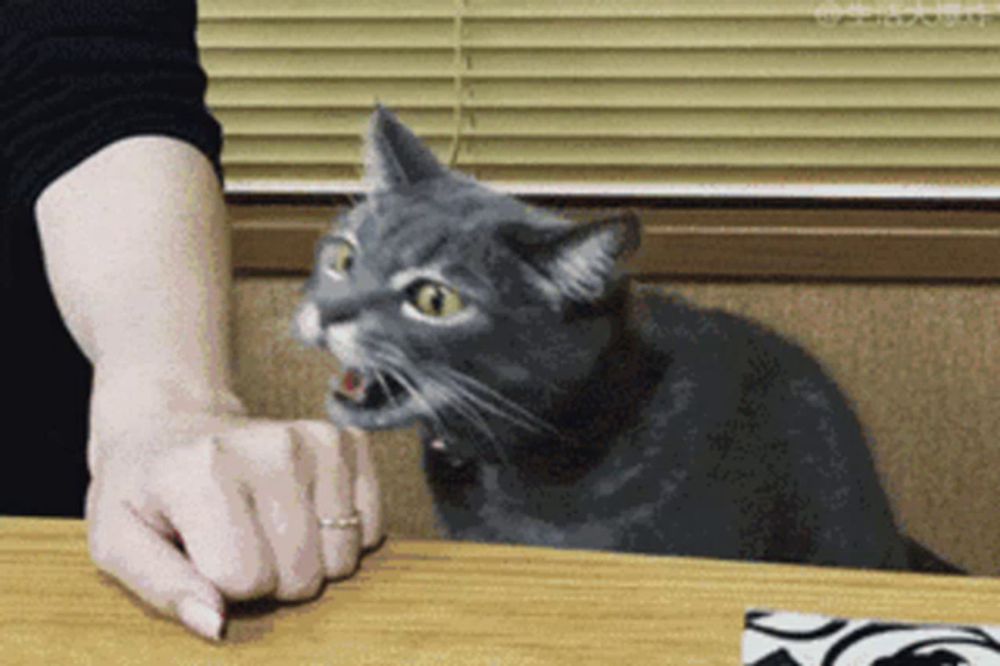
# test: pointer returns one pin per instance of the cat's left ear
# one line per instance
(578, 263)
(394, 156)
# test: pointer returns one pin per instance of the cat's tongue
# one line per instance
(353, 385)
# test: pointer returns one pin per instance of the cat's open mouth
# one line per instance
(368, 400)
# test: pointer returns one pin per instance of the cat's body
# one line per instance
(699, 433)
(561, 405)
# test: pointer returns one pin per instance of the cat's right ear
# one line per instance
(394, 156)
(579, 263)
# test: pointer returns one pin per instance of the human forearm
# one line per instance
(138, 257)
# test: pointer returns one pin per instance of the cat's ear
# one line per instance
(578, 263)
(394, 156)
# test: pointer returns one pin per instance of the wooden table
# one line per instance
(435, 602)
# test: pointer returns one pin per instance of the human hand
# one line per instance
(190, 508)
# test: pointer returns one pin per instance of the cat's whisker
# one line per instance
(459, 401)
(527, 418)
(435, 388)
(435, 392)
(466, 397)
(470, 398)
(469, 412)
(385, 387)
(419, 397)
(391, 355)
(401, 376)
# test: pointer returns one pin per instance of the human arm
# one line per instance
(136, 252)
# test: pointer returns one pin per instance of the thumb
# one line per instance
(147, 562)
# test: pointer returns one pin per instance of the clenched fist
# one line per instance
(229, 508)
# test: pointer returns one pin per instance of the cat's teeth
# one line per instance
(353, 385)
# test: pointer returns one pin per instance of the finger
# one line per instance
(283, 471)
(147, 562)
(367, 492)
(333, 498)
(200, 494)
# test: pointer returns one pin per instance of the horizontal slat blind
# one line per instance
(623, 94)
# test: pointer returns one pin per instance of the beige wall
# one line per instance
(921, 362)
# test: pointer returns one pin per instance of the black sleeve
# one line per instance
(76, 75)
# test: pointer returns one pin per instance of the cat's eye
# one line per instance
(339, 258)
(436, 300)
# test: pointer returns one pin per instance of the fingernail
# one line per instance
(201, 618)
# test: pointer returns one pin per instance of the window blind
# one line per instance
(612, 96)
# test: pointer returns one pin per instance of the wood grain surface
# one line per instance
(760, 242)
(437, 602)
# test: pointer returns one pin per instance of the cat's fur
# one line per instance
(563, 406)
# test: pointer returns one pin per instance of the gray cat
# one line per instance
(562, 406)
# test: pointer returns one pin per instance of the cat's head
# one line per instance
(453, 304)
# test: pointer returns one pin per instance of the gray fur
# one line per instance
(577, 410)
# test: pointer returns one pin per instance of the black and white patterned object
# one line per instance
(792, 639)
